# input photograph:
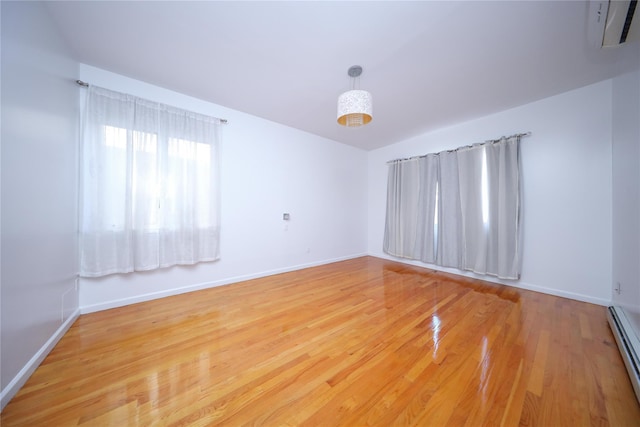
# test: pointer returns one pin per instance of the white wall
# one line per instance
(267, 169)
(567, 188)
(626, 194)
(39, 181)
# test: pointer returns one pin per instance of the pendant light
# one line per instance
(355, 107)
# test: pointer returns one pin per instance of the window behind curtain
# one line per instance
(149, 185)
(458, 209)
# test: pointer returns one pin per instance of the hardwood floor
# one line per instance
(360, 342)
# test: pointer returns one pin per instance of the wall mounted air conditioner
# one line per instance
(614, 22)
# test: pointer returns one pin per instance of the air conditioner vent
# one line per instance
(627, 21)
(621, 25)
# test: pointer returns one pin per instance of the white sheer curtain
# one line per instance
(149, 194)
(458, 208)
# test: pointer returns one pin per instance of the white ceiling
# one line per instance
(427, 64)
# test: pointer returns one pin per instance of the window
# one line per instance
(149, 185)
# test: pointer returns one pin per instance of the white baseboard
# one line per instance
(559, 293)
(515, 284)
(18, 381)
(106, 305)
(206, 285)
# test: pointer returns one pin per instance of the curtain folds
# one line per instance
(449, 214)
(458, 209)
(149, 185)
(411, 195)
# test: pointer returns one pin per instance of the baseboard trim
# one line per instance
(516, 284)
(205, 285)
(29, 368)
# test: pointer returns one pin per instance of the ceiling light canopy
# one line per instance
(355, 107)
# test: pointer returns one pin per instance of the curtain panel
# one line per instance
(149, 193)
(458, 208)
(411, 201)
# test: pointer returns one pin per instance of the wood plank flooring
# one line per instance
(360, 342)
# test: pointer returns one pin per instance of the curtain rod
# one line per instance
(85, 84)
(490, 141)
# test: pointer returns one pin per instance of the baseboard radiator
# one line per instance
(628, 344)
